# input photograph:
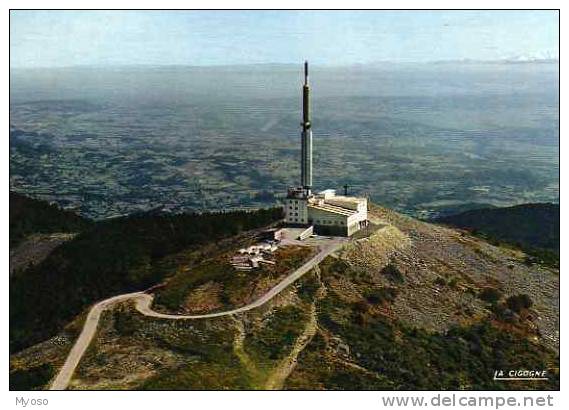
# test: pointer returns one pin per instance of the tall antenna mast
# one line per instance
(306, 136)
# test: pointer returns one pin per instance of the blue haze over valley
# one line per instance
(108, 135)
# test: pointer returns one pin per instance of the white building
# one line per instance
(330, 214)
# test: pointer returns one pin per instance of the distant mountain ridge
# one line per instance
(294, 65)
(529, 226)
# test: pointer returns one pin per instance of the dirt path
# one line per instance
(276, 379)
(143, 303)
(239, 350)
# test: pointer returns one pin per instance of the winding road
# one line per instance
(143, 303)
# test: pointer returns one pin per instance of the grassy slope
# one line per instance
(383, 353)
(235, 288)
(388, 354)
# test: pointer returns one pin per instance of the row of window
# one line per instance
(317, 221)
(325, 222)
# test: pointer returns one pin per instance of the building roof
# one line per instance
(351, 199)
(333, 209)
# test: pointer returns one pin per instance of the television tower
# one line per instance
(306, 136)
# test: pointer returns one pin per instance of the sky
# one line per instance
(110, 38)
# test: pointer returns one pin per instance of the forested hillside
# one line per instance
(532, 227)
(29, 216)
(112, 257)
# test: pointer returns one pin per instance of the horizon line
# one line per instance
(507, 60)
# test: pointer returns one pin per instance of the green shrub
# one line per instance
(31, 379)
(519, 302)
(453, 283)
(361, 306)
(382, 295)
(540, 256)
(411, 358)
(490, 295)
(309, 285)
(393, 273)
(275, 339)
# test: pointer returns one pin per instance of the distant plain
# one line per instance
(425, 139)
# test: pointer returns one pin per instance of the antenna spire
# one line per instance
(306, 136)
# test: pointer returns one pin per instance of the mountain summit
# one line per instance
(408, 305)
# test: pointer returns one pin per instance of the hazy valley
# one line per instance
(419, 138)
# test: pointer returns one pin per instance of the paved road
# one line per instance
(143, 302)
